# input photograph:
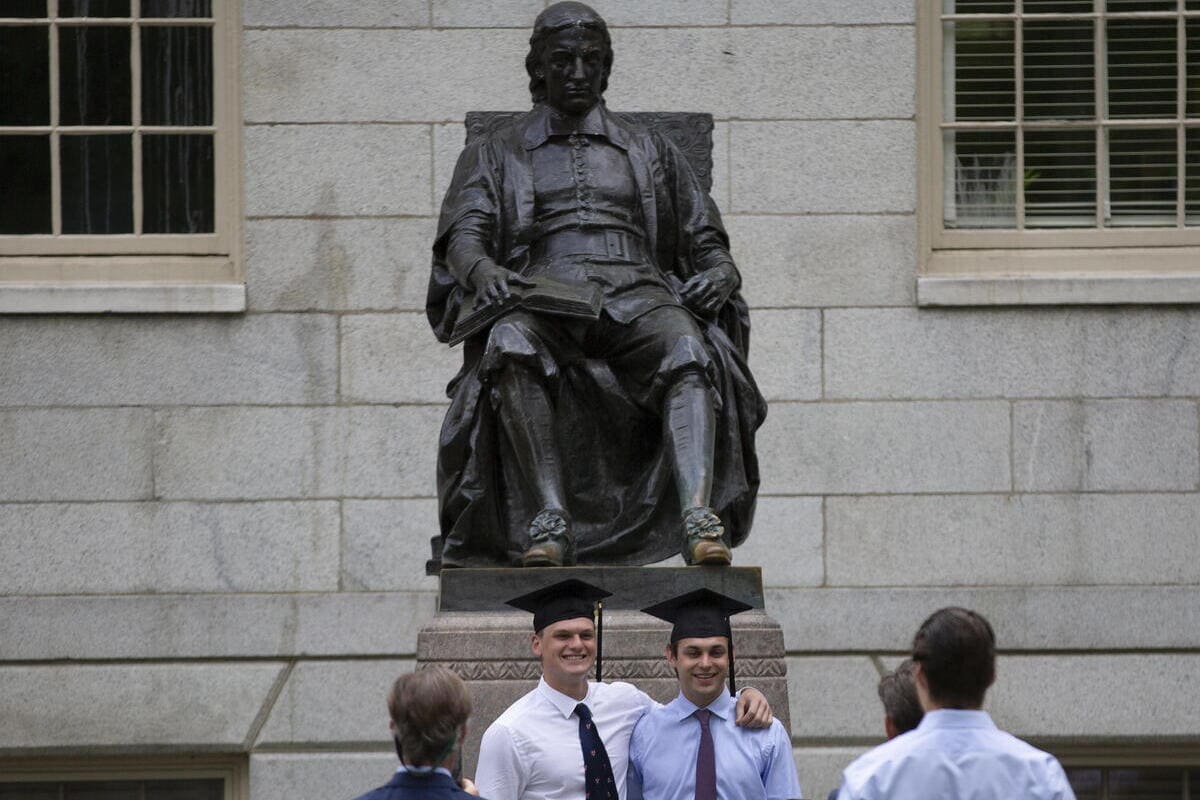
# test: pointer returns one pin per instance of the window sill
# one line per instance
(1060, 277)
(121, 285)
(122, 298)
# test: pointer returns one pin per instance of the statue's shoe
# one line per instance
(550, 540)
(704, 538)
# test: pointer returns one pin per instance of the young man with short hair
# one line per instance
(429, 710)
(691, 748)
(957, 752)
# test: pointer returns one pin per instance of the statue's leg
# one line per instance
(520, 362)
(690, 425)
(665, 351)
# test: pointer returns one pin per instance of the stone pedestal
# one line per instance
(487, 643)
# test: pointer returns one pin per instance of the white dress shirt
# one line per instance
(532, 752)
(955, 755)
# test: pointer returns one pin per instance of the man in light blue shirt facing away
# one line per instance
(957, 752)
(691, 749)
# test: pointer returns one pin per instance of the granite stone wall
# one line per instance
(213, 528)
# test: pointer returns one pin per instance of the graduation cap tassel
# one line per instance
(599, 637)
(732, 671)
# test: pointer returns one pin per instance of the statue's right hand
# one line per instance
(491, 283)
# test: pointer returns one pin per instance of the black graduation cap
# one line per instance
(699, 615)
(567, 599)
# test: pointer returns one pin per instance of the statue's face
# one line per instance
(573, 68)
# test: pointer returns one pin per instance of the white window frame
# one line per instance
(962, 267)
(232, 770)
(57, 273)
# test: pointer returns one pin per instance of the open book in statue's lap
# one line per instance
(620, 437)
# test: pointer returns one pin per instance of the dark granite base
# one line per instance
(488, 644)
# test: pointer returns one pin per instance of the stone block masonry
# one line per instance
(221, 522)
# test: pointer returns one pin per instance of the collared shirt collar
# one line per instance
(563, 702)
(403, 769)
(723, 706)
(956, 718)
(544, 122)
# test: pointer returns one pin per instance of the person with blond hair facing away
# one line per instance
(429, 710)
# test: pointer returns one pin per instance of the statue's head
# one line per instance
(570, 57)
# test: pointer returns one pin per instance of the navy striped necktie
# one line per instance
(598, 775)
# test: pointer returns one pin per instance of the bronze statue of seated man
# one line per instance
(617, 437)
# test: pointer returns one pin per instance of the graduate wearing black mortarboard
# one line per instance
(568, 739)
(692, 748)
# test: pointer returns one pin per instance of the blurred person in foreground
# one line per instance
(429, 710)
(956, 752)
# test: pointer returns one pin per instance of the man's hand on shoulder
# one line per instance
(753, 710)
(468, 786)
(707, 291)
(490, 282)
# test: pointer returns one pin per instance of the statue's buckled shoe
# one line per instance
(550, 542)
(704, 538)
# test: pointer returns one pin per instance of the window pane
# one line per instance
(178, 171)
(25, 176)
(978, 6)
(1118, 6)
(984, 71)
(984, 191)
(106, 790)
(25, 75)
(1145, 784)
(1087, 783)
(93, 8)
(212, 789)
(22, 8)
(1142, 177)
(1057, 6)
(95, 75)
(177, 76)
(97, 184)
(1141, 67)
(1059, 69)
(176, 8)
(1060, 179)
(1192, 209)
(1193, 67)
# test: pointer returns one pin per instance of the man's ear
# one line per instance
(535, 644)
(889, 727)
(670, 656)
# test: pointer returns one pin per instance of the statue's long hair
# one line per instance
(559, 17)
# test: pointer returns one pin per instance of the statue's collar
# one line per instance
(544, 122)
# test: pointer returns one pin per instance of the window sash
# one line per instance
(222, 241)
(939, 159)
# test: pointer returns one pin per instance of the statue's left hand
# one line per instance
(753, 710)
(707, 291)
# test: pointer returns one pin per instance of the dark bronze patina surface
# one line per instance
(615, 429)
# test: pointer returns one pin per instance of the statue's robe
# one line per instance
(619, 477)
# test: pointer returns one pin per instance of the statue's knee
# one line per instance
(513, 345)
